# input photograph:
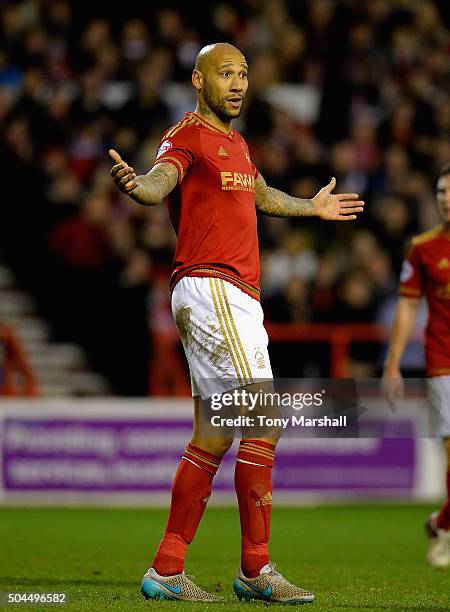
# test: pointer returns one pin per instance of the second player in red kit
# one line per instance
(426, 273)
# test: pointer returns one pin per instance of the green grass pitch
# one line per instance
(365, 557)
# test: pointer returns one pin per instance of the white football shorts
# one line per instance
(439, 396)
(223, 335)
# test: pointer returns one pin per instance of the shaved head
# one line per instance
(215, 53)
(220, 80)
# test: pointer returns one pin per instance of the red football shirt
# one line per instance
(212, 209)
(426, 271)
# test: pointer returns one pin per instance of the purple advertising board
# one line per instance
(112, 454)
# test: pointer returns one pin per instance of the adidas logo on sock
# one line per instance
(266, 500)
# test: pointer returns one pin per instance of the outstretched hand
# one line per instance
(336, 207)
(123, 175)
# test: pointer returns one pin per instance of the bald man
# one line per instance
(214, 191)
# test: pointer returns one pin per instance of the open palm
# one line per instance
(337, 207)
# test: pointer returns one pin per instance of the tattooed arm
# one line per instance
(325, 205)
(276, 203)
(148, 189)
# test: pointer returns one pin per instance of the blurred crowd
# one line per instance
(356, 89)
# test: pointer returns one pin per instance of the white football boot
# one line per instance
(270, 585)
(178, 587)
(438, 554)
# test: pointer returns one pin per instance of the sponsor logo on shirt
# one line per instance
(165, 146)
(237, 181)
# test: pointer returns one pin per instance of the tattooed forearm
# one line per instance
(153, 187)
(276, 203)
(280, 204)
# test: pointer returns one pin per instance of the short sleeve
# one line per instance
(411, 275)
(178, 150)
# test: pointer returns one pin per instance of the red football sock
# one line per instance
(190, 493)
(443, 519)
(253, 482)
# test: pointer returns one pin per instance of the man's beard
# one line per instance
(218, 106)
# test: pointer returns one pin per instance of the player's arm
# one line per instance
(149, 189)
(405, 318)
(325, 205)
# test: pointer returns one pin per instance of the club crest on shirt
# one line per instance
(247, 156)
(444, 263)
(407, 272)
(443, 292)
(165, 146)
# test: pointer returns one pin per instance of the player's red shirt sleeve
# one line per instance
(411, 275)
(178, 150)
